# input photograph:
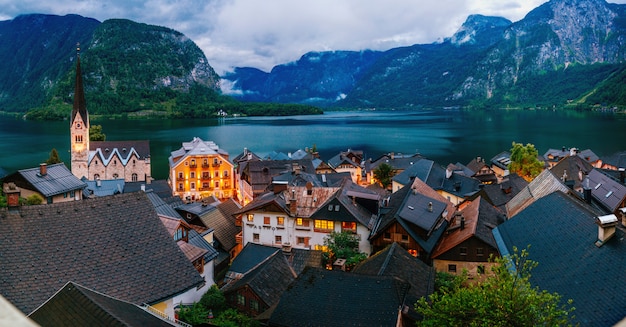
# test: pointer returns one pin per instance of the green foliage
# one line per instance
(383, 174)
(95, 133)
(214, 300)
(504, 298)
(54, 157)
(232, 318)
(3, 201)
(524, 161)
(343, 245)
(195, 315)
(34, 199)
(447, 282)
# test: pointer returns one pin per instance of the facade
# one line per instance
(200, 169)
(129, 160)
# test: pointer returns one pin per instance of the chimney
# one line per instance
(43, 169)
(293, 206)
(430, 207)
(462, 222)
(606, 228)
(622, 175)
(13, 195)
(587, 191)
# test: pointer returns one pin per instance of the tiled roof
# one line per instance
(572, 169)
(395, 261)
(57, 180)
(301, 258)
(250, 256)
(605, 190)
(105, 150)
(104, 187)
(197, 240)
(222, 221)
(161, 207)
(75, 305)
(268, 280)
(617, 159)
(500, 194)
(542, 185)
(397, 162)
(191, 251)
(322, 297)
(259, 174)
(562, 232)
(116, 245)
(159, 186)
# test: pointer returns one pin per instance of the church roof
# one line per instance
(106, 150)
(80, 105)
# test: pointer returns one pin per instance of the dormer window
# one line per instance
(181, 234)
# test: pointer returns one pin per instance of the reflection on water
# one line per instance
(444, 136)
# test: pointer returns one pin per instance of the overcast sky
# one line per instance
(262, 34)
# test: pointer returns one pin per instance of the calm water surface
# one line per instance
(444, 136)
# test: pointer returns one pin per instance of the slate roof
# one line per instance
(424, 169)
(161, 207)
(75, 305)
(480, 219)
(159, 186)
(222, 221)
(572, 169)
(116, 245)
(322, 297)
(398, 162)
(259, 174)
(105, 150)
(544, 184)
(617, 160)
(502, 160)
(58, 179)
(500, 194)
(300, 258)
(103, 187)
(562, 233)
(346, 157)
(268, 280)
(609, 193)
(395, 261)
(250, 256)
(246, 155)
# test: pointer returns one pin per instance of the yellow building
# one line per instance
(201, 169)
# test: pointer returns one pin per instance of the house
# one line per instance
(95, 160)
(500, 194)
(394, 261)
(415, 217)
(118, 247)
(482, 171)
(337, 298)
(256, 176)
(579, 251)
(398, 161)
(424, 169)
(200, 169)
(302, 216)
(572, 170)
(500, 164)
(608, 193)
(76, 305)
(243, 190)
(545, 183)
(553, 156)
(351, 161)
(54, 183)
(259, 288)
(468, 243)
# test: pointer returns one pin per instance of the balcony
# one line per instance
(205, 165)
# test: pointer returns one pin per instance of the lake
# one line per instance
(446, 136)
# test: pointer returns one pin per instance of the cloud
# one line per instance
(262, 34)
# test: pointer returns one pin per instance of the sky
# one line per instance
(266, 33)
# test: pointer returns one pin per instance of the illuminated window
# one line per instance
(266, 220)
(302, 222)
(348, 226)
(324, 225)
(280, 221)
(250, 217)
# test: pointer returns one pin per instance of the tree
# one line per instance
(34, 199)
(504, 298)
(343, 245)
(214, 300)
(524, 161)
(195, 315)
(383, 174)
(95, 133)
(54, 157)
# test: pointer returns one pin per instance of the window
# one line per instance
(480, 252)
(336, 207)
(348, 226)
(180, 175)
(116, 176)
(266, 220)
(192, 175)
(79, 139)
(193, 163)
(217, 184)
(405, 238)
(480, 269)
(280, 221)
(330, 207)
(96, 176)
(72, 193)
(278, 239)
(217, 174)
(452, 268)
(300, 222)
(463, 251)
(49, 200)
(324, 225)
(254, 305)
(180, 186)
(65, 195)
(134, 177)
(96, 162)
(250, 218)
(300, 240)
(205, 185)
(225, 173)
(255, 237)
(192, 185)
(241, 300)
(181, 234)
(387, 236)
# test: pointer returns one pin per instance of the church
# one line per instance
(102, 160)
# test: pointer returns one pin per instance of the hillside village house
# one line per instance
(201, 169)
(351, 161)
(302, 216)
(54, 183)
(129, 160)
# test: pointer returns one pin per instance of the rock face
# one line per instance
(489, 60)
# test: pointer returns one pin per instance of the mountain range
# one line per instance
(563, 53)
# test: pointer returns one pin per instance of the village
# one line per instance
(109, 240)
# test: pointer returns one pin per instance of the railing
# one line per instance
(164, 316)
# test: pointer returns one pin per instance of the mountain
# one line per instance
(564, 51)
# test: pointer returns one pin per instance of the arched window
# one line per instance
(96, 176)
(115, 176)
(134, 177)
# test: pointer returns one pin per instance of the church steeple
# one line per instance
(80, 105)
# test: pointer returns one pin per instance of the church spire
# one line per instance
(80, 105)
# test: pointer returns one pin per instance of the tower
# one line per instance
(79, 126)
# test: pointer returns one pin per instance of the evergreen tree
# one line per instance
(383, 174)
(95, 133)
(54, 157)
